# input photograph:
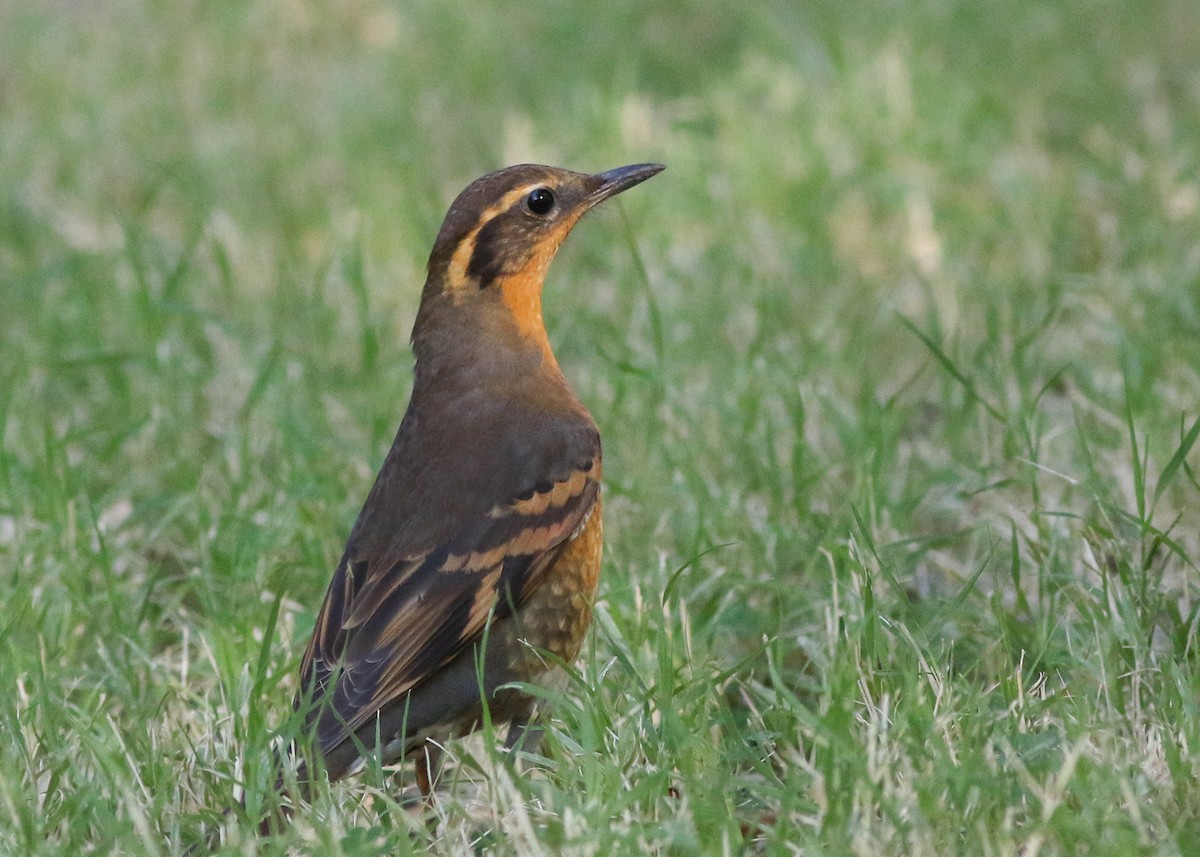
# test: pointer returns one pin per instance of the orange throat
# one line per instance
(522, 295)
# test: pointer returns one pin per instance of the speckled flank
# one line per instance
(558, 614)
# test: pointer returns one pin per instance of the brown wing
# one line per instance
(390, 621)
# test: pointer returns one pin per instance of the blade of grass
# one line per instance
(1181, 452)
(955, 373)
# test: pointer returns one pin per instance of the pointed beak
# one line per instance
(622, 178)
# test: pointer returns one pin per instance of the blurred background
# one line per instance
(896, 366)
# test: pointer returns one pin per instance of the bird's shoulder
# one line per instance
(456, 457)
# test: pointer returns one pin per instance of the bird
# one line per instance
(475, 559)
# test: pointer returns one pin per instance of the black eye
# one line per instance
(540, 201)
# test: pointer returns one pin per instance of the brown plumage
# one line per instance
(487, 505)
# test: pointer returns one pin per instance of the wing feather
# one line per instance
(388, 622)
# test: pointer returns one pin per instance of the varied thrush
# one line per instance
(478, 549)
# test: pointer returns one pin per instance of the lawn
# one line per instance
(897, 368)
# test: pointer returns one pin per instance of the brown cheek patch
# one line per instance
(457, 278)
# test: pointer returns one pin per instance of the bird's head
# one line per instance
(499, 237)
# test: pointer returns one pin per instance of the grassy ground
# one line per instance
(897, 369)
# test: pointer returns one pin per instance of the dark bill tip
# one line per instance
(622, 178)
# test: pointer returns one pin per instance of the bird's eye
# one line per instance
(540, 201)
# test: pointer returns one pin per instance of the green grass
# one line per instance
(896, 366)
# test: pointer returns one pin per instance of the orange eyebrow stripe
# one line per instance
(456, 272)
